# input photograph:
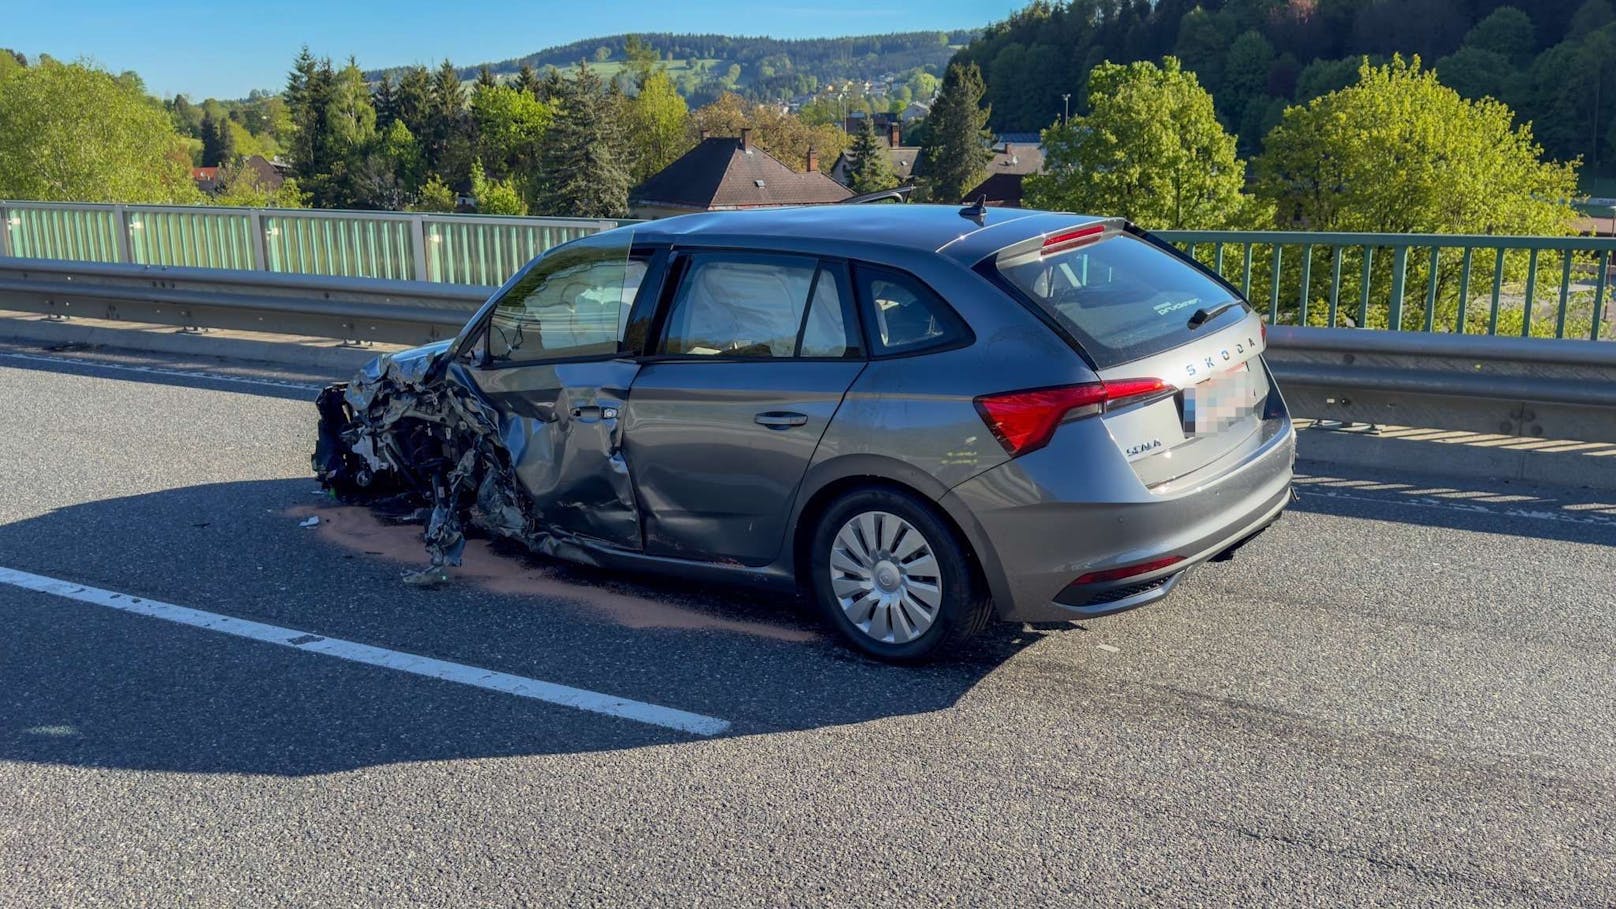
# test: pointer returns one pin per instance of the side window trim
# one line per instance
(808, 310)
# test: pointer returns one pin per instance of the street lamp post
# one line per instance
(1066, 106)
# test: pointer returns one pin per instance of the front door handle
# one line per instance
(780, 419)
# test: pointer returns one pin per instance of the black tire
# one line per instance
(964, 608)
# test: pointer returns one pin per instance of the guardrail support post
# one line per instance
(1394, 312)
(260, 242)
(418, 246)
(126, 248)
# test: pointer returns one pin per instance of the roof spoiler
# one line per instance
(896, 194)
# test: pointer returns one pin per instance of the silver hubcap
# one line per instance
(885, 577)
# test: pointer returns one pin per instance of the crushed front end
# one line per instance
(407, 428)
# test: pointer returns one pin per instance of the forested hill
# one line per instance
(1553, 61)
(764, 67)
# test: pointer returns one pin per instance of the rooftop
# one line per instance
(733, 173)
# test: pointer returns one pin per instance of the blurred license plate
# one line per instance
(1220, 402)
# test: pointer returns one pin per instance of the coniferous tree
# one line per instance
(527, 80)
(412, 99)
(958, 145)
(385, 102)
(444, 133)
(218, 142)
(869, 169)
(485, 77)
(581, 177)
(304, 110)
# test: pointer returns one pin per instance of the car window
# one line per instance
(903, 315)
(825, 331)
(1121, 298)
(573, 303)
(739, 305)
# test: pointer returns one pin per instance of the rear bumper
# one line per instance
(1038, 524)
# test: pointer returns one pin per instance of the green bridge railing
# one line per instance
(1465, 284)
(1549, 287)
(455, 249)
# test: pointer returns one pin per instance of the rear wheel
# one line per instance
(894, 578)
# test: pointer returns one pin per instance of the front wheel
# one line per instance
(894, 578)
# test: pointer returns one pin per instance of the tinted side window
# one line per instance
(738, 305)
(572, 304)
(902, 315)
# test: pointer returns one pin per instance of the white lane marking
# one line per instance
(160, 371)
(1308, 491)
(549, 692)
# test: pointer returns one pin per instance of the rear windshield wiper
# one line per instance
(1203, 316)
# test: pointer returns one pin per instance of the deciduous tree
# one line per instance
(1400, 152)
(133, 153)
(1150, 149)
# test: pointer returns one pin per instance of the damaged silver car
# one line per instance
(922, 417)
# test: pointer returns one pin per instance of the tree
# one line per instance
(869, 169)
(1400, 152)
(76, 133)
(581, 177)
(443, 132)
(218, 143)
(495, 197)
(510, 127)
(1150, 149)
(435, 196)
(240, 185)
(527, 80)
(957, 155)
(656, 127)
(777, 132)
(1507, 32)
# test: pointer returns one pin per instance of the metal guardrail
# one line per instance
(1509, 386)
(454, 249)
(351, 309)
(1563, 389)
(1458, 283)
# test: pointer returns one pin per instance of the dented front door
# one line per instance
(560, 423)
(552, 363)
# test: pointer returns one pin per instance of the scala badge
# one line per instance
(1142, 449)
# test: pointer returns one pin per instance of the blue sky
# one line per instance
(223, 50)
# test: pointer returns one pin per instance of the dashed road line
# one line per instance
(354, 652)
(1530, 514)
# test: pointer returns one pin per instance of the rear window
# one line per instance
(1120, 298)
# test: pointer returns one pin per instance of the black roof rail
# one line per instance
(897, 193)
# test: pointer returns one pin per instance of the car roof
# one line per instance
(919, 228)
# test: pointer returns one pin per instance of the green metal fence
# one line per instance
(1554, 287)
(1465, 284)
(457, 249)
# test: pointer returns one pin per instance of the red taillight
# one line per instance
(1024, 421)
(1127, 571)
(1067, 239)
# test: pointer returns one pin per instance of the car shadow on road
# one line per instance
(86, 685)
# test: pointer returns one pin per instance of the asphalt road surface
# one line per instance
(1403, 694)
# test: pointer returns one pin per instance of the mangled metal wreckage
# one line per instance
(413, 427)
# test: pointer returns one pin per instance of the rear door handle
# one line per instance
(780, 419)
